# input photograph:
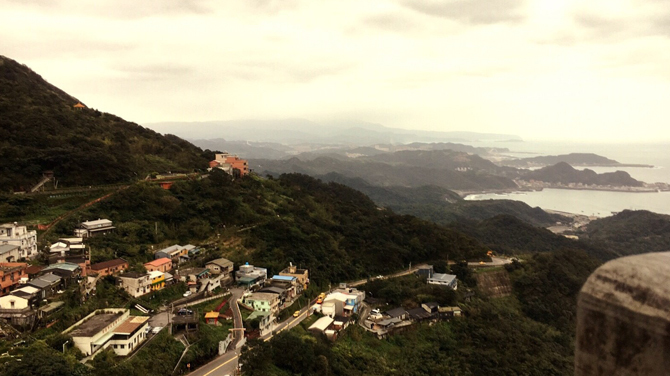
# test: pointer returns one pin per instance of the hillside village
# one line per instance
(243, 298)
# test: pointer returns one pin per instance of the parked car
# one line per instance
(184, 312)
(187, 294)
(156, 329)
(296, 313)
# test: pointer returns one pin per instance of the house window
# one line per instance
(115, 346)
(122, 346)
(12, 303)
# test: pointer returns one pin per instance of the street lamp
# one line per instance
(64, 345)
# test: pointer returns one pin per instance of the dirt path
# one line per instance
(49, 226)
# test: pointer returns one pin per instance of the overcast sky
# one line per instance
(596, 70)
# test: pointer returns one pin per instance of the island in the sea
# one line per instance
(573, 159)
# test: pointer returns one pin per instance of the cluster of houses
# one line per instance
(24, 288)
(337, 308)
(270, 295)
(16, 243)
(230, 164)
(398, 319)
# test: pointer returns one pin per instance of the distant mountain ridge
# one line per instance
(573, 159)
(40, 130)
(382, 173)
(564, 173)
(297, 131)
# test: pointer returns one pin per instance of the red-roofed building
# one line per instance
(109, 267)
(232, 164)
(163, 264)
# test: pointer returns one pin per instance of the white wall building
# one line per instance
(109, 328)
(441, 279)
(13, 234)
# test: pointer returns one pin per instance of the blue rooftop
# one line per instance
(283, 278)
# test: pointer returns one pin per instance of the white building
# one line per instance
(109, 328)
(135, 284)
(13, 302)
(13, 234)
(441, 279)
(91, 228)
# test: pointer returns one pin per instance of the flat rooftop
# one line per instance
(131, 324)
(93, 325)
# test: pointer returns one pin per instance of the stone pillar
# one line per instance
(623, 318)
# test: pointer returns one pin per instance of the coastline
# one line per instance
(465, 194)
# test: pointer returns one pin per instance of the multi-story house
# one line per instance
(93, 228)
(232, 164)
(264, 302)
(13, 234)
(135, 284)
(301, 274)
(10, 275)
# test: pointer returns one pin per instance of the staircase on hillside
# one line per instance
(47, 176)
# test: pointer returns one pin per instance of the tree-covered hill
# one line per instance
(40, 130)
(335, 231)
(564, 173)
(443, 206)
(510, 235)
(383, 173)
(631, 232)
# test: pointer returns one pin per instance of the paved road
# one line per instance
(399, 274)
(495, 261)
(226, 364)
(288, 323)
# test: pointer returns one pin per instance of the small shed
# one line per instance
(212, 318)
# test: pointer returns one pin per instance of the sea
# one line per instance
(594, 203)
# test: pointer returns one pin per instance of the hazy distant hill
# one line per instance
(443, 206)
(245, 149)
(510, 235)
(564, 173)
(40, 130)
(301, 131)
(573, 159)
(385, 174)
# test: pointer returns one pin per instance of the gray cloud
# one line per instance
(155, 72)
(287, 71)
(398, 23)
(120, 9)
(471, 11)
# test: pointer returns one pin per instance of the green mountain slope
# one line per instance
(335, 231)
(40, 130)
(382, 173)
(564, 173)
(443, 206)
(631, 232)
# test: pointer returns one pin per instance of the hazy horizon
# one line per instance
(538, 69)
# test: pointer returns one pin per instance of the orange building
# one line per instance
(160, 265)
(79, 105)
(109, 267)
(10, 275)
(232, 161)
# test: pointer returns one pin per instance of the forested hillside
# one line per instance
(40, 130)
(564, 173)
(335, 231)
(385, 174)
(631, 232)
(443, 206)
